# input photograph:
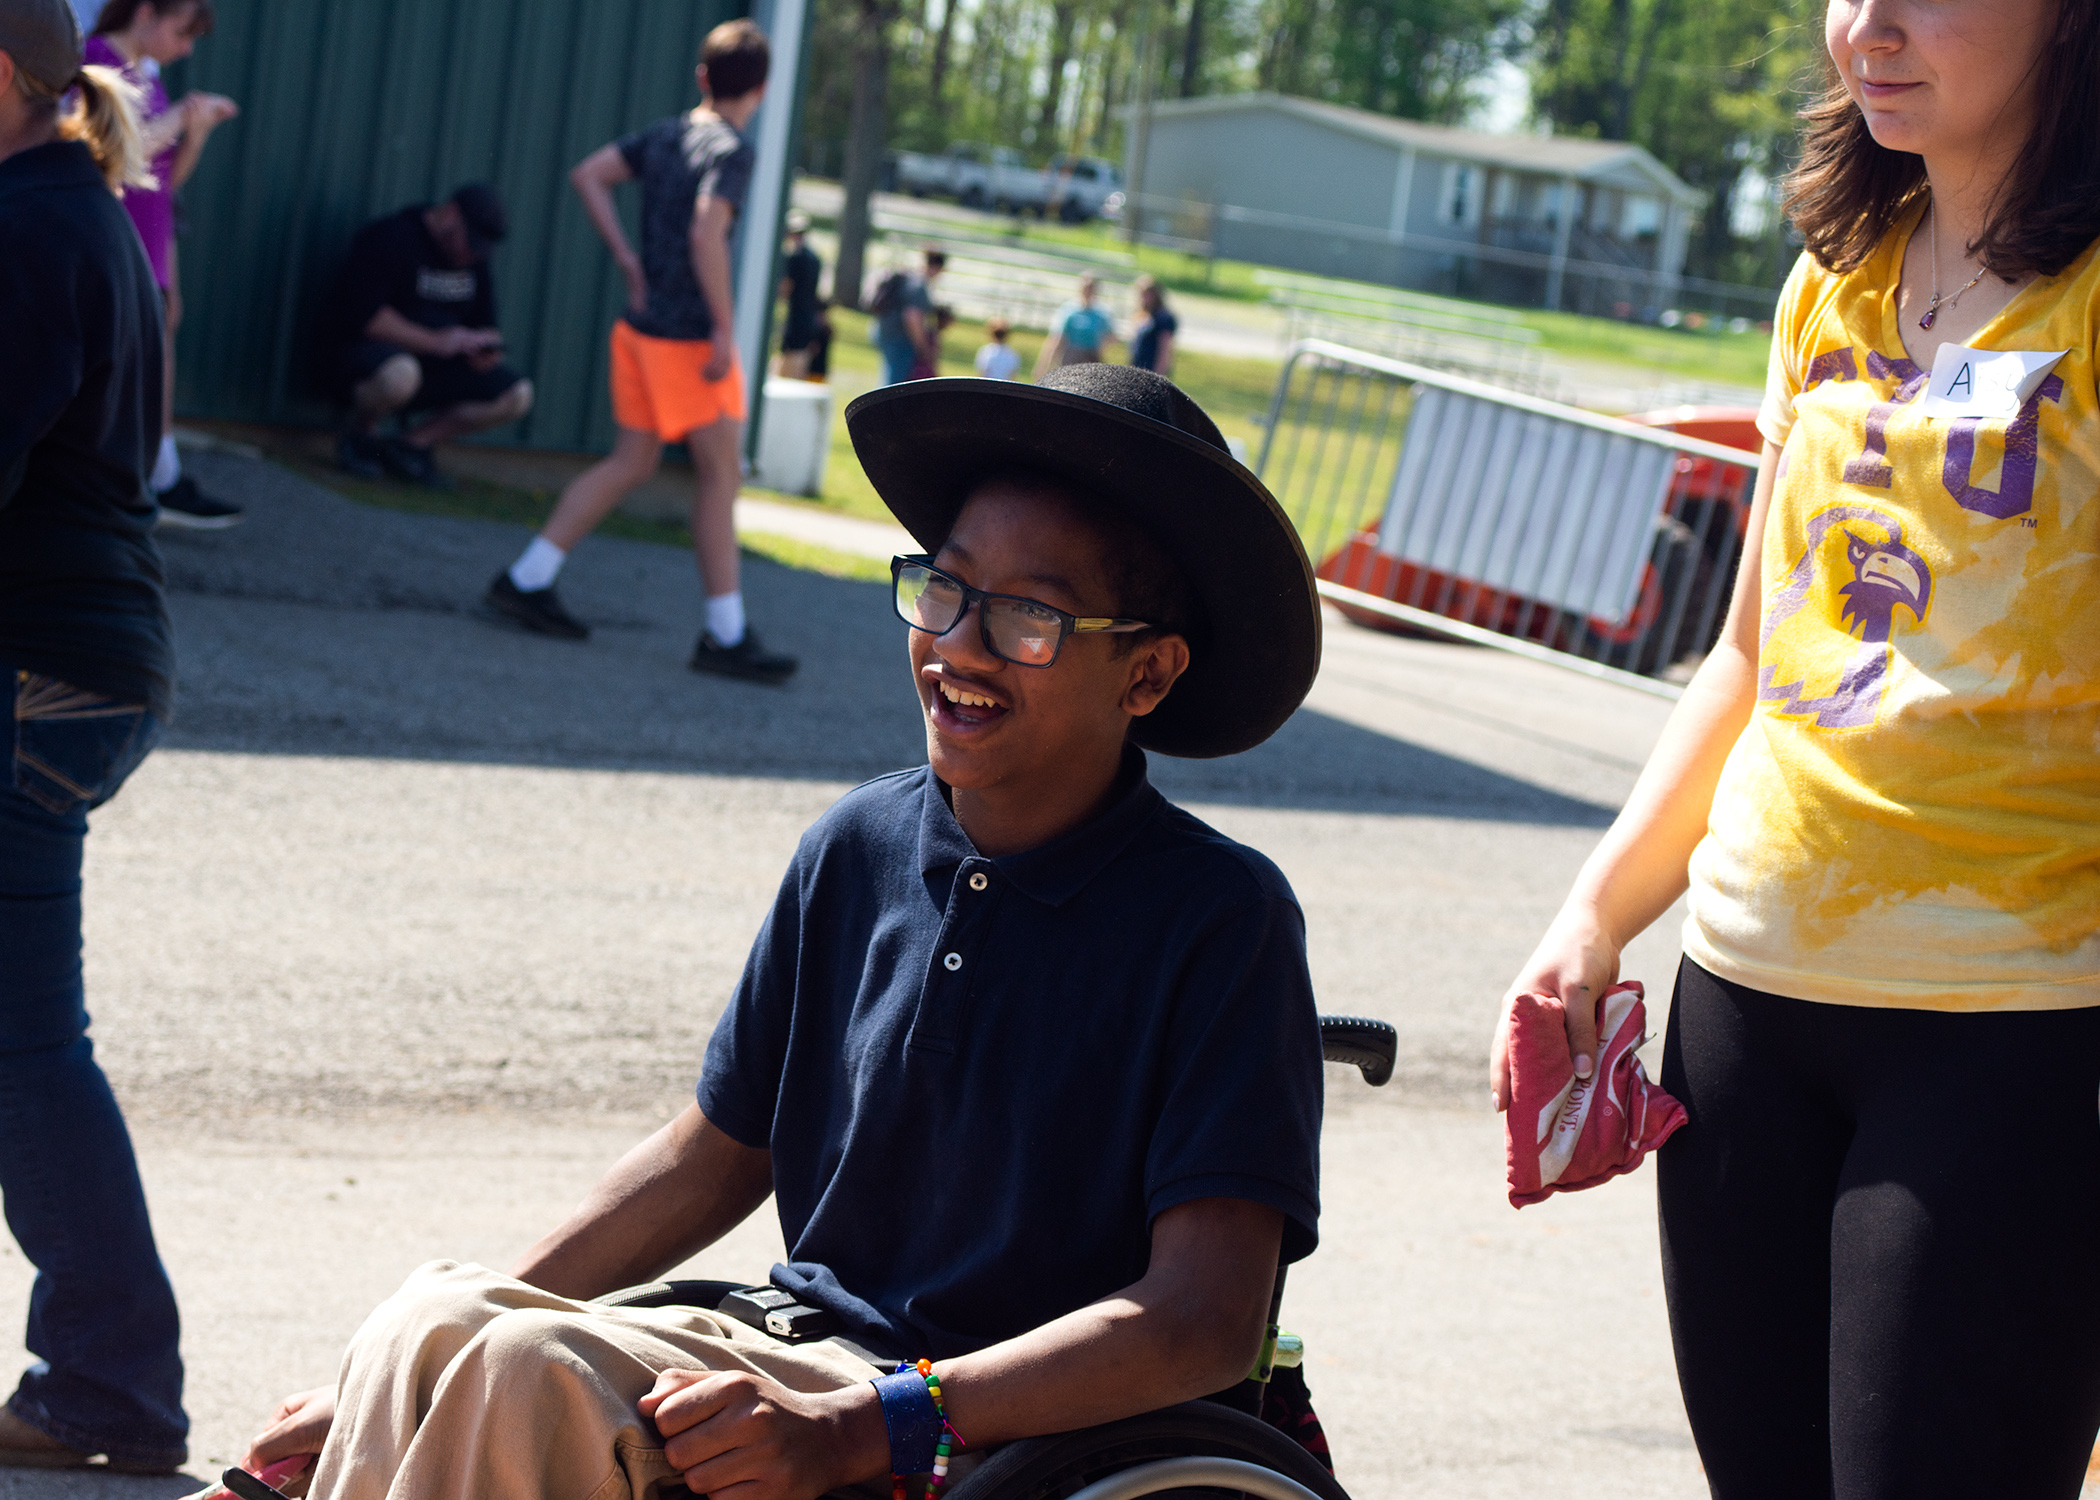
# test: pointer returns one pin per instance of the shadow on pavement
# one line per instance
(323, 627)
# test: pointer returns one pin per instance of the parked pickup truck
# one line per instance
(974, 174)
(1082, 188)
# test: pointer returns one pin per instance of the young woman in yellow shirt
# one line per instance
(1881, 797)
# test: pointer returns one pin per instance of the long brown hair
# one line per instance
(117, 15)
(1850, 190)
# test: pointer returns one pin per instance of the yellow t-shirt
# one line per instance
(1912, 817)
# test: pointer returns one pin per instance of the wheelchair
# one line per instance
(1220, 1443)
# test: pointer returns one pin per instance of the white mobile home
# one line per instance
(1344, 192)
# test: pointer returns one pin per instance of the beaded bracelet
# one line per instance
(947, 1439)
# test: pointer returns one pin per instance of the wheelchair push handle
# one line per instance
(1369, 1046)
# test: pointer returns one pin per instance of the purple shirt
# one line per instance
(152, 209)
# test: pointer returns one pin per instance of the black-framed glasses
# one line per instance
(1026, 632)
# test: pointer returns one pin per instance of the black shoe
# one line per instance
(183, 504)
(361, 456)
(538, 610)
(405, 461)
(747, 659)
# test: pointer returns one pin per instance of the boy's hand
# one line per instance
(637, 283)
(744, 1437)
(720, 352)
(299, 1425)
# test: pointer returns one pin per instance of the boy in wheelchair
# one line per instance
(1026, 1055)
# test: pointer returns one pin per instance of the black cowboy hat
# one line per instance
(1129, 438)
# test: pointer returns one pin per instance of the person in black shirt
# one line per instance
(87, 670)
(1152, 346)
(800, 271)
(675, 374)
(413, 328)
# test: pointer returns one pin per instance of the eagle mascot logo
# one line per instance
(1835, 615)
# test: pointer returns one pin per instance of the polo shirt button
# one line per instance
(978, 881)
(952, 962)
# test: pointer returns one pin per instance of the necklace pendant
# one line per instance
(1930, 312)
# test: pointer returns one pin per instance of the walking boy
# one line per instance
(1025, 1054)
(674, 366)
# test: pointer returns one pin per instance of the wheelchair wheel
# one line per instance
(1136, 1456)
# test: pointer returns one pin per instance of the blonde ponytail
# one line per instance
(105, 118)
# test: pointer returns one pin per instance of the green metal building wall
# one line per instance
(354, 108)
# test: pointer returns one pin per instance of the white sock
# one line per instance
(725, 618)
(167, 467)
(537, 565)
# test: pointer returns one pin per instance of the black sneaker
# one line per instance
(538, 610)
(405, 461)
(183, 504)
(747, 659)
(361, 456)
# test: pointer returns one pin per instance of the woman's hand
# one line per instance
(740, 1436)
(1575, 962)
(299, 1425)
(207, 112)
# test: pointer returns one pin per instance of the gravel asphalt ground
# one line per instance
(417, 922)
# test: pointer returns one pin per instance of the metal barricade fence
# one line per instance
(1437, 503)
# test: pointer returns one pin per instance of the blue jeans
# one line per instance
(898, 361)
(102, 1319)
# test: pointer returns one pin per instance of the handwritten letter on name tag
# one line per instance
(1984, 382)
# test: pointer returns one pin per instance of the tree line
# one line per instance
(1710, 87)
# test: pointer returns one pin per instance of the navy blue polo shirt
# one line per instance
(980, 1079)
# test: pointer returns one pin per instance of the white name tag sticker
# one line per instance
(1984, 382)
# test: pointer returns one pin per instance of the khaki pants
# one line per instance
(467, 1385)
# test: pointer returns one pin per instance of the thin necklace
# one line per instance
(1933, 311)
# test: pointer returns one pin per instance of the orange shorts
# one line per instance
(657, 385)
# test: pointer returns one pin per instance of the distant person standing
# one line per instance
(1152, 346)
(800, 272)
(996, 358)
(1080, 332)
(411, 328)
(820, 344)
(139, 38)
(87, 668)
(906, 330)
(674, 366)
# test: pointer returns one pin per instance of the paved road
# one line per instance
(417, 922)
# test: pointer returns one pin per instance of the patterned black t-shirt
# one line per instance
(676, 161)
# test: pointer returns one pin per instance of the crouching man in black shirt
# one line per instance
(413, 328)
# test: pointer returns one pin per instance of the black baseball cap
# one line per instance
(482, 213)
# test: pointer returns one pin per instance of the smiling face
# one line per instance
(996, 727)
(1951, 78)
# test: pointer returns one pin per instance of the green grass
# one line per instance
(811, 558)
(1711, 353)
(1234, 391)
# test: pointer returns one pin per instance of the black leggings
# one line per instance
(1881, 1244)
